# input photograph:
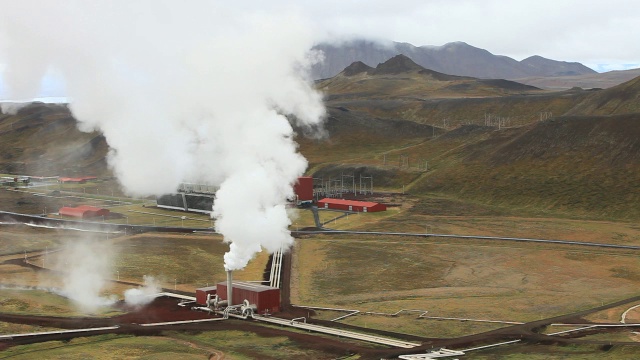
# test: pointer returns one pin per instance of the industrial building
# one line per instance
(190, 197)
(76, 180)
(265, 298)
(200, 197)
(351, 205)
(83, 212)
(303, 189)
(201, 203)
(201, 294)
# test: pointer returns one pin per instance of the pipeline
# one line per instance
(351, 312)
(423, 313)
(337, 332)
(13, 336)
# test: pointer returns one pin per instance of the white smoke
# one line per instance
(144, 294)
(183, 91)
(11, 108)
(86, 265)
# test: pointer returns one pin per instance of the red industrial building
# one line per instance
(83, 211)
(303, 189)
(201, 294)
(76, 180)
(266, 298)
(351, 205)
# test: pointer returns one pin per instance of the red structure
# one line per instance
(351, 205)
(83, 211)
(76, 180)
(201, 294)
(266, 298)
(304, 189)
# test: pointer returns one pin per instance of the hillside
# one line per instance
(620, 99)
(570, 153)
(493, 150)
(546, 67)
(585, 81)
(401, 77)
(42, 139)
(400, 88)
(570, 165)
(457, 58)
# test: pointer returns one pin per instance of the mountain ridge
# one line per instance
(456, 58)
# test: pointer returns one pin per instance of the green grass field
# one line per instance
(233, 345)
(541, 352)
(191, 261)
(11, 328)
(109, 347)
(43, 302)
(433, 274)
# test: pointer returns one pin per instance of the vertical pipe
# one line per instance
(229, 287)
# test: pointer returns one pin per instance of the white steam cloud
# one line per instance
(183, 91)
(87, 267)
(144, 294)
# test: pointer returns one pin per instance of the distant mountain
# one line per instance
(400, 77)
(585, 81)
(457, 58)
(356, 68)
(396, 65)
(400, 64)
(547, 67)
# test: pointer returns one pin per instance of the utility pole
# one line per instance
(353, 182)
(404, 161)
(363, 186)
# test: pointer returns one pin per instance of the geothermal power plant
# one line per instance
(253, 299)
(238, 298)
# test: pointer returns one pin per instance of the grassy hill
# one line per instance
(567, 166)
(400, 77)
(531, 157)
(42, 139)
(582, 164)
(399, 88)
(585, 81)
(620, 99)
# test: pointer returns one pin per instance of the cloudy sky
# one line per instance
(601, 35)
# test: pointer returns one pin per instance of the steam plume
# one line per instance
(191, 91)
(87, 264)
(144, 294)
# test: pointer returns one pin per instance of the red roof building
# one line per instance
(351, 205)
(78, 180)
(83, 211)
(266, 298)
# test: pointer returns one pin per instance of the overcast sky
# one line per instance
(601, 34)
